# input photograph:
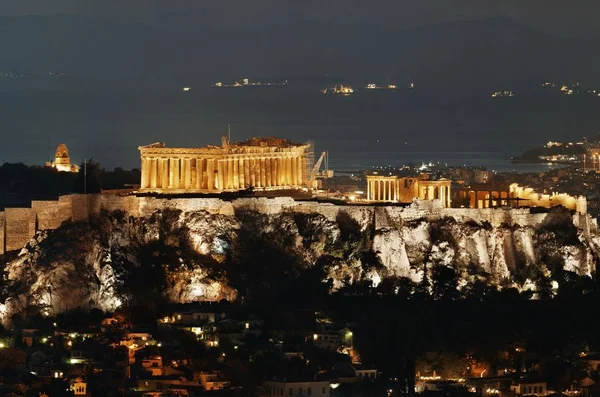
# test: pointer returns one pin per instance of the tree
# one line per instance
(89, 178)
(543, 283)
(444, 283)
(12, 358)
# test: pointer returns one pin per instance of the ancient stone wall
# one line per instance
(128, 204)
(2, 233)
(80, 208)
(20, 227)
(51, 214)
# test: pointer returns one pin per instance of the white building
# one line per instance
(311, 388)
(530, 388)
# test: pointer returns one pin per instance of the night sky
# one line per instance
(126, 61)
(556, 16)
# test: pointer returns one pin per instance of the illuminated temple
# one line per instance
(260, 163)
(397, 189)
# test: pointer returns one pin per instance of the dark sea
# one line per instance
(107, 119)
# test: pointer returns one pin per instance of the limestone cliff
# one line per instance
(176, 253)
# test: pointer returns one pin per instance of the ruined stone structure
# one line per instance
(62, 161)
(491, 196)
(404, 189)
(261, 163)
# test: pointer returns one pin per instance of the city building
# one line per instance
(154, 365)
(258, 163)
(62, 161)
(482, 176)
(212, 381)
(296, 388)
(526, 387)
(79, 387)
(397, 189)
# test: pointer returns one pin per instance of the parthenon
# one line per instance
(260, 163)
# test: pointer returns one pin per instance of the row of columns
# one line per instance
(217, 174)
(382, 190)
(441, 192)
(385, 189)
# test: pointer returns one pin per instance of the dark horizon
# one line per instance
(124, 67)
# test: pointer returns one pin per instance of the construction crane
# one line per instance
(317, 174)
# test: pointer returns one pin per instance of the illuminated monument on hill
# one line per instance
(259, 163)
(62, 161)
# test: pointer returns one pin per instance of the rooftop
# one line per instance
(267, 141)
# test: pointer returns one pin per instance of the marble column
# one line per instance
(242, 173)
(171, 173)
(263, 172)
(268, 172)
(210, 174)
(180, 180)
(164, 173)
(273, 163)
(196, 179)
(283, 171)
(144, 181)
(200, 172)
(186, 170)
(294, 171)
(300, 171)
(375, 189)
(236, 174)
(220, 176)
(279, 171)
(275, 171)
(180, 169)
(247, 178)
(252, 172)
(257, 172)
(288, 166)
(229, 183)
(386, 190)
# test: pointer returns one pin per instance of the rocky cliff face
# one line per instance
(183, 256)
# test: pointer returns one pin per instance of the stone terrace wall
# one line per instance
(18, 225)
(2, 233)
(52, 214)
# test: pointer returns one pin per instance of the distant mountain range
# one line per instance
(488, 54)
